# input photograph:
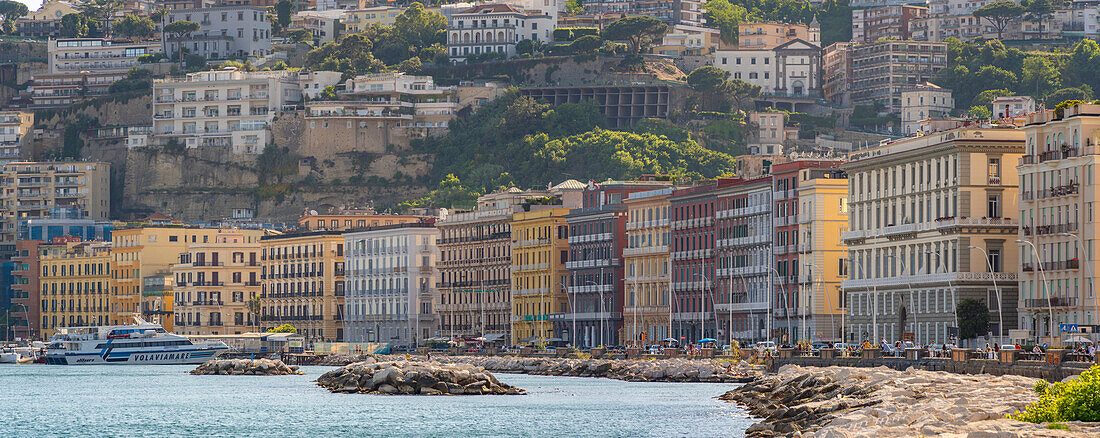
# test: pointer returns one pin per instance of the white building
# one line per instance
(220, 108)
(14, 128)
(924, 101)
(792, 68)
(323, 25)
(390, 283)
(85, 67)
(314, 82)
(1011, 106)
(224, 31)
(494, 28)
(1079, 23)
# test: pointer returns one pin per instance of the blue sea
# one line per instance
(129, 401)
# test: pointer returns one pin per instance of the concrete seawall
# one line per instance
(1027, 368)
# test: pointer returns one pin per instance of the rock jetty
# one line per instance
(839, 402)
(245, 367)
(656, 370)
(414, 377)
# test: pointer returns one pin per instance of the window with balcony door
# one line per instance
(995, 259)
(993, 208)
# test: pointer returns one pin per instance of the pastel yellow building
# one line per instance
(302, 283)
(214, 283)
(147, 251)
(645, 311)
(358, 20)
(822, 215)
(75, 285)
(539, 249)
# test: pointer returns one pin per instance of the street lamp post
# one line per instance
(874, 300)
(950, 286)
(916, 326)
(786, 308)
(997, 289)
(1088, 266)
(713, 303)
(1043, 272)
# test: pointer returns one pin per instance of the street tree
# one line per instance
(639, 31)
(179, 30)
(973, 318)
(1000, 14)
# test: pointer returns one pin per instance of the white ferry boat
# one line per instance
(142, 343)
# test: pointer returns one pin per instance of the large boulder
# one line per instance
(414, 377)
(237, 367)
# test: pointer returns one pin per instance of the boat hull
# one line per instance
(180, 357)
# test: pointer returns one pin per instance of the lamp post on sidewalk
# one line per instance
(1046, 287)
(874, 299)
(1088, 267)
(997, 289)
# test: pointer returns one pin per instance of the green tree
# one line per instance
(741, 93)
(1082, 93)
(1000, 14)
(352, 55)
(525, 47)
(411, 65)
(419, 27)
(9, 11)
(585, 45)
(254, 308)
(574, 7)
(135, 26)
(725, 16)
(973, 315)
(640, 32)
(179, 30)
(74, 25)
(283, 11)
(285, 328)
(301, 36)
(1041, 73)
(986, 97)
(709, 83)
(100, 11)
(1039, 12)
(329, 93)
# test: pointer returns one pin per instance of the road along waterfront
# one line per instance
(104, 400)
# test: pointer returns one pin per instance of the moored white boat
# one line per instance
(142, 343)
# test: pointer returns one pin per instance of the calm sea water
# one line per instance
(125, 401)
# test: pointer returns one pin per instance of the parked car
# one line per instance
(765, 346)
(819, 345)
(654, 349)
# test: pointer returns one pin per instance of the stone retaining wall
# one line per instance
(1026, 368)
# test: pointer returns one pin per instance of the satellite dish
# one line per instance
(313, 212)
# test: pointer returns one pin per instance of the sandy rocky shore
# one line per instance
(414, 377)
(839, 402)
(238, 367)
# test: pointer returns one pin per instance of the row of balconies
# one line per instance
(647, 224)
(692, 223)
(583, 238)
(644, 250)
(598, 263)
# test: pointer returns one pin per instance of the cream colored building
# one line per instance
(214, 283)
(924, 101)
(70, 55)
(770, 34)
(15, 126)
(358, 20)
(32, 188)
(225, 108)
(475, 263)
(302, 283)
(146, 251)
(75, 280)
(646, 257)
(1057, 197)
(917, 206)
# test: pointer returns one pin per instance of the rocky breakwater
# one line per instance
(414, 377)
(245, 367)
(839, 402)
(657, 370)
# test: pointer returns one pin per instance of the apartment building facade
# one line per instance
(215, 285)
(353, 218)
(225, 108)
(80, 68)
(744, 238)
(391, 283)
(224, 32)
(771, 34)
(792, 68)
(26, 308)
(931, 224)
(692, 232)
(475, 265)
(540, 249)
(880, 71)
(886, 22)
(75, 282)
(302, 283)
(924, 101)
(15, 126)
(646, 314)
(1057, 224)
(31, 189)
